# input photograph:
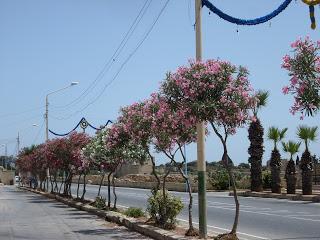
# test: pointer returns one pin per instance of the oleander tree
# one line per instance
(276, 135)
(219, 93)
(307, 135)
(53, 149)
(142, 122)
(63, 155)
(122, 149)
(25, 161)
(303, 67)
(100, 157)
(292, 148)
(256, 143)
(171, 129)
(137, 125)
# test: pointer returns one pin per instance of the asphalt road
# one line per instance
(260, 218)
(28, 216)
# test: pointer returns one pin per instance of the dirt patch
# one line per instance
(227, 236)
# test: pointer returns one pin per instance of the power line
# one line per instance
(19, 113)
(114, 57)
(122, 66)
(38, 133)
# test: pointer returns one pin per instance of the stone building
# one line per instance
(6, 176)
(134, 168)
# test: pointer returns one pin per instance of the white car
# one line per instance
(17, 179)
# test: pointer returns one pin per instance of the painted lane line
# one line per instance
(269, 214)
(228, 230)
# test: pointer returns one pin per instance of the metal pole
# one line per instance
(47, 135)
(201, 163)
(6, 157)
(18, 143)
(186, 165)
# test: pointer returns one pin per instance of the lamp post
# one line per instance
(5, 154)
(201, 163)
(18, 138)
(47, 119)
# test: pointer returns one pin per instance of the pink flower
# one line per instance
(285, 90)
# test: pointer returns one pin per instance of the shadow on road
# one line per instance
(112, 233)
(296, 238)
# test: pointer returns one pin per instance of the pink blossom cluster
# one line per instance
(304, 70)
(57, 154)
(214, 91)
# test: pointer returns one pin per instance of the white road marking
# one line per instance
(228, 230)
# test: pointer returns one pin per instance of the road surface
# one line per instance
(260, 218)
(28, 216)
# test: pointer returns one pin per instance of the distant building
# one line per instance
(134, 168)
(6, 176)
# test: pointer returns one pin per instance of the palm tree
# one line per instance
(256, 144)
(276, 135)
(307, 134)
(292, 148)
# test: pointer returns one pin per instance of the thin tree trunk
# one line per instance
(154, 172)
(62, 182)
(114, 193)
(84, 186)
(102, 178)
(191, 230)
(109, 190)
(78, 186)
(226, 160)
(164, 209)
(235, 195)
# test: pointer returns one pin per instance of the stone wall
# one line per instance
(6, 176)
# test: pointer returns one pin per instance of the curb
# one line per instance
(130, 223)
(293, 197)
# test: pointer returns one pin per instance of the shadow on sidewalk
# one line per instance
(112, 233)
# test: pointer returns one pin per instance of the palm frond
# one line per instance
(291, 147)
(262, 98)
(282, 133)
(273, 134)
(285, 147)
(302, 132)
(313, 133)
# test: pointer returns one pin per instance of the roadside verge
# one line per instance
(111, 216)
(293, 197)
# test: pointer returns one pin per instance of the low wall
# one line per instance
(171, 186)
(7, 177)
(179, 187)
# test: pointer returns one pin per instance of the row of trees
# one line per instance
(306, 134)
(303, 67)
(215, 92)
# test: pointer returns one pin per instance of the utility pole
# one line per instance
(201, 163)
(46, 116)
(18, 143)
(47, 135)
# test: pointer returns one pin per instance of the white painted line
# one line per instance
(228, 230)
(267, 214)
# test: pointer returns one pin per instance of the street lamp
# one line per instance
(18, 138)
(5, 154)
(47, 118)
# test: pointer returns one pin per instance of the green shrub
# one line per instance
(100, 202)
(266, 179)
(243, 182)
(164, 210)
(219, 179)
(134, 212)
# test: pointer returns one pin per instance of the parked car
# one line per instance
(17, 179)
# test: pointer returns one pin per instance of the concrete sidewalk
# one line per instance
(28, 216)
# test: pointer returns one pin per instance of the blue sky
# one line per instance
(45, 45)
